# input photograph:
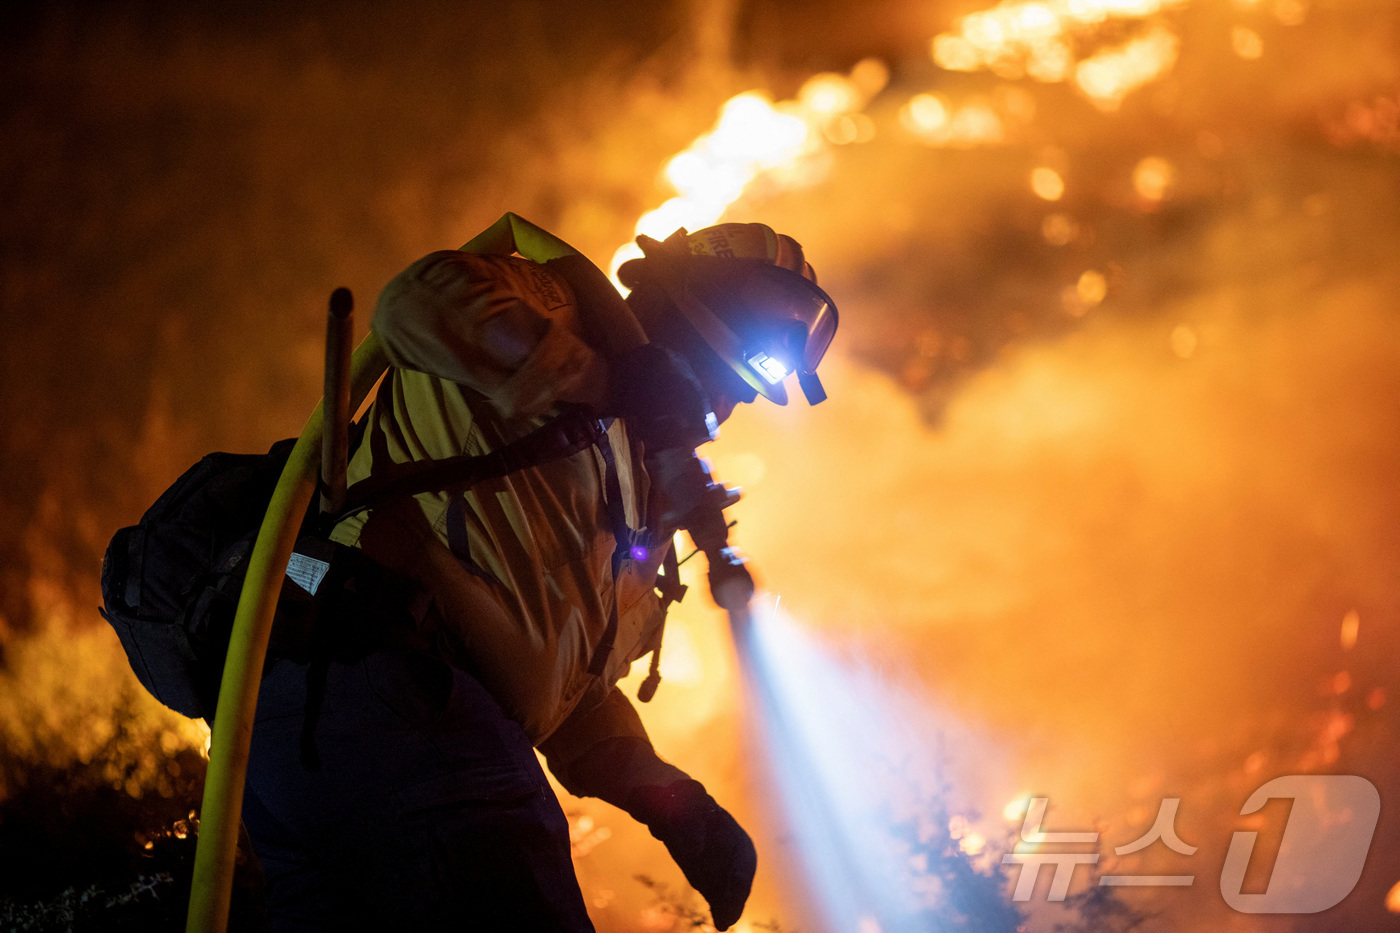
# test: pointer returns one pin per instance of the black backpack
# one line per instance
(171, 582)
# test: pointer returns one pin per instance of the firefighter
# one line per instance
(423, 805)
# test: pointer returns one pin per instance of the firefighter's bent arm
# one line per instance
(604, 752)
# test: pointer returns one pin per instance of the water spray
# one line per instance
(824, 730)
(843, 759)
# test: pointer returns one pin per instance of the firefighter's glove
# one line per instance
(657, 393)
(711, 848)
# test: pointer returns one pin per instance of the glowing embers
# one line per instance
(1059, 229)
(1086, 293)
(1183, 341)
(828, 95)
(1351, 627)
(1153, 178)
(834, 102)
(849, 128)
(1047, 183)
(935, 121)
(967, 838)
(1015, 810)
(1246, 43)
(1042, 40)
(1114, 73)
(1375, 121)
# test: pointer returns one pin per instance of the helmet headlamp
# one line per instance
(768, 367)
(751, 296)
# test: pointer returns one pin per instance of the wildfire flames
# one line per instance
(1041, 41)
(757, 141)
(1101, 508)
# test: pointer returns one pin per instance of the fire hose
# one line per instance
(232, 735)
(320, 453)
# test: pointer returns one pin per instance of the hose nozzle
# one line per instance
(731, 584)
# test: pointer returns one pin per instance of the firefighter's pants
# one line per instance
(429, 810)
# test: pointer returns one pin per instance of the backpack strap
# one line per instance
(563, 436)
(622, 546)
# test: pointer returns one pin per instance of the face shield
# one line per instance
(765, 322)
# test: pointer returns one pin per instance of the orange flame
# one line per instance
(1037, 39)
(757, 138)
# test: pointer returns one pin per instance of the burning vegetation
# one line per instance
(1102, 508)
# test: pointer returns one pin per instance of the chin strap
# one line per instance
(812, 388)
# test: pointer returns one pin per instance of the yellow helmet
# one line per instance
(752, 297)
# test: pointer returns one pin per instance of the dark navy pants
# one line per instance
(429, 811)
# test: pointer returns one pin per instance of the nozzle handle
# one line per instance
(335, 442)
(731, 584)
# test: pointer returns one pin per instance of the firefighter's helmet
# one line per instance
(752, 297)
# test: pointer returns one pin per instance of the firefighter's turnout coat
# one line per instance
(520, 568)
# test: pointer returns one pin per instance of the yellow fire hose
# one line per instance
(247, 650)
